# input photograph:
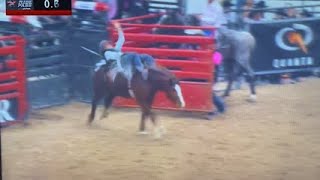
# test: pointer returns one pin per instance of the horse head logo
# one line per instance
(298, 36)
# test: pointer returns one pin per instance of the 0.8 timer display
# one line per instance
(52, 4)
(38, 7)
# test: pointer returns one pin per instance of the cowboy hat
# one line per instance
(227, 3)
(261, 4)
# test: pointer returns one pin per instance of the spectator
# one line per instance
(213, 15)
(129, 8)
(291, 12)
(219, 104)
(230, 16)
(141, 7)
(255, 16)
(172, 17)
(305, 14)
(248, 6)
(280, 14)
(240, 3)
(261, 5)
(123, 7)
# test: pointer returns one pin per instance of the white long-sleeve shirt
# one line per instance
(213, 15)
(116, 53)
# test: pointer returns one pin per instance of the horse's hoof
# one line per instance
(89, 121)
(143, 133)
(252, 98)
(157, 134)
(103, 117)
(163, 130)
(104, 114)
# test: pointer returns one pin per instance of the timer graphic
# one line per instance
(39, 7)
(47, 4)
(52, 4)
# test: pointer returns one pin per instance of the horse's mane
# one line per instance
(162, 70)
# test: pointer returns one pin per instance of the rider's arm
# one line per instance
(121, 38)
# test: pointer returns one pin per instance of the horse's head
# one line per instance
(167, 82)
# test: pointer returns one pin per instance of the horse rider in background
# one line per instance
(213, 15)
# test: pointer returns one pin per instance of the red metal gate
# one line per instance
(13, 102)
(194, 68)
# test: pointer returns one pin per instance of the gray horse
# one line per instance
(236, 48)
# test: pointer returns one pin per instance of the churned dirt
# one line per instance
(277, 138)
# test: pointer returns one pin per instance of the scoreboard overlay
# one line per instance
(38, 7)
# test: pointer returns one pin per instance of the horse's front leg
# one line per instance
(97, 96)
(233, 72)
(156, 130)
(142, 128)
(231, 77)
(107, 103)
(251, 80)
(159, 129)
(230, 81)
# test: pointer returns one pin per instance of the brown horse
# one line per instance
(159, 79)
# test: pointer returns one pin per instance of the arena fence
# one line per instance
(89, 23)
(13, 100)
(83, 61)
(46, 61)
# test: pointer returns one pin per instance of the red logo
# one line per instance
(11, 3)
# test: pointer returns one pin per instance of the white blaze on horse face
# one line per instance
(178, 90)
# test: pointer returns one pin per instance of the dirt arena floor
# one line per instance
(277, 138)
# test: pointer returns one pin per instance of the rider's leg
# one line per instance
(129, 75)
(148, 60)
(137, 62)
(99, 64)
(127, 65)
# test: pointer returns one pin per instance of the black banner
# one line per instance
(284, 46)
